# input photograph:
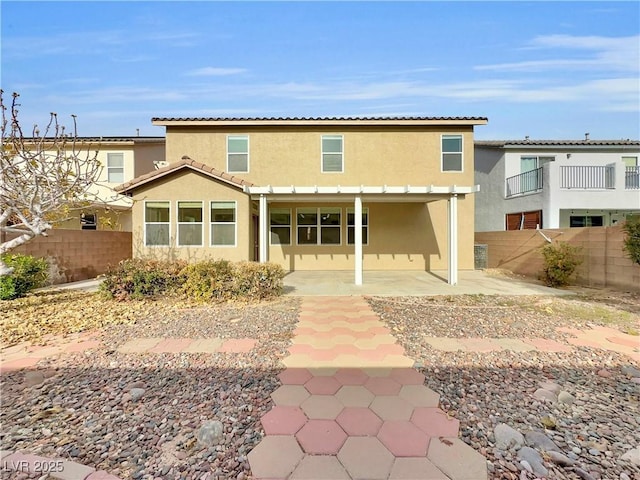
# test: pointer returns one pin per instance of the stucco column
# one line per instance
(453, 239)
(263, 230)
(357, 210)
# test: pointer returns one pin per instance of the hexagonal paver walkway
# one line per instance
(351, 406)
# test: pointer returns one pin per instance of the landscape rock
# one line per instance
(540, 441)
(630, 370)
(566, 398)
(210, 433)
(534, 459)
(136, 393)
(551, 387)
(632, 456)
(560, 459)
(507, 437)
(33, 378)
(545, 395)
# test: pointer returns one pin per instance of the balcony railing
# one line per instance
(632, 178)
(530, 181)
(588, 177)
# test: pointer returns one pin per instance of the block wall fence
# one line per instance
(605, 263)
(78, 254)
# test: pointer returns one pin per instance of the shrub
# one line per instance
(28, 273)
(208, 280)
(138, 279)
(560, 262)
(632, 239)
(258, 281)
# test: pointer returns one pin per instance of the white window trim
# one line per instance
(442, 170)
(248, 154)
(352, 210)
(322, 151)
(235, 224)
(124, 178)
(178, 244)
(156, 223)
(282, 226)
(319, 227)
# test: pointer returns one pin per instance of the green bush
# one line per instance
(138, 279)
(28, 273)
(632, 239)
(209, 281)
(560, 262)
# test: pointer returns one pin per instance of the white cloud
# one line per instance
(215, 72)
(604, 54)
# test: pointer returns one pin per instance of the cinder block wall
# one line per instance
(605, 264)
(78, 254)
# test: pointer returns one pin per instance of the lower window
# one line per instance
(223, 224)
(351, 229)
(88, 221)
(280, 226)
(190, 224)
(319, 226)
(156, 224)
(586, 221)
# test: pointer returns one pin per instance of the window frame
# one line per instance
(179, 223)
(157, 223)
(85, 225)
(318, 226)
(280, 226)
(442, 152)
(625, 158)
(235, 224)
(322, 152)
(352, 210)
(246, 137)
(110, 169)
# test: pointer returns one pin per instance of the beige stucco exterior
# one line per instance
(406, 232)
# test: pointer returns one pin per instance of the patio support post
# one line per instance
(263, 239)
(453, 239)
(357, 211)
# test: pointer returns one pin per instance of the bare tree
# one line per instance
(42, 178)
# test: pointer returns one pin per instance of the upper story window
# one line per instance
(115, 167)
(332, 154)
(238, 153)
(156, 224)
(190, 224)
(630, 161)
(532, 162)
(451, 153)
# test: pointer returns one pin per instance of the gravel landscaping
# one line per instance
(140, 416)
(586, 401)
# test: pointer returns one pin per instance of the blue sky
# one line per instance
(544, 69)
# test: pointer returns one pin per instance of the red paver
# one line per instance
(359, 421)
(383, 386)
(322, 407)
(282, 420)
(583, 342)
(321, 437)
(403, 438)
(545, 345)
(355, 396)
(18, 364)
(238, 345)
(322, 385)
(407, 376)
(366, 458)
(294, 376)
(290, 395)
(434, 422)
(351, 376)
(25, 462)
(276, 456)
(627, 342)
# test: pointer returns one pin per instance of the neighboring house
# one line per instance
(555, 183)
(312, 193)
(122, 159)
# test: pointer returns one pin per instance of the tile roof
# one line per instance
(231, 119)
(105, 139)
(185, 162)
(556, 143)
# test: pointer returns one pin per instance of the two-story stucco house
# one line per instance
(312, 193)
(555, 183)
(122, 159)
